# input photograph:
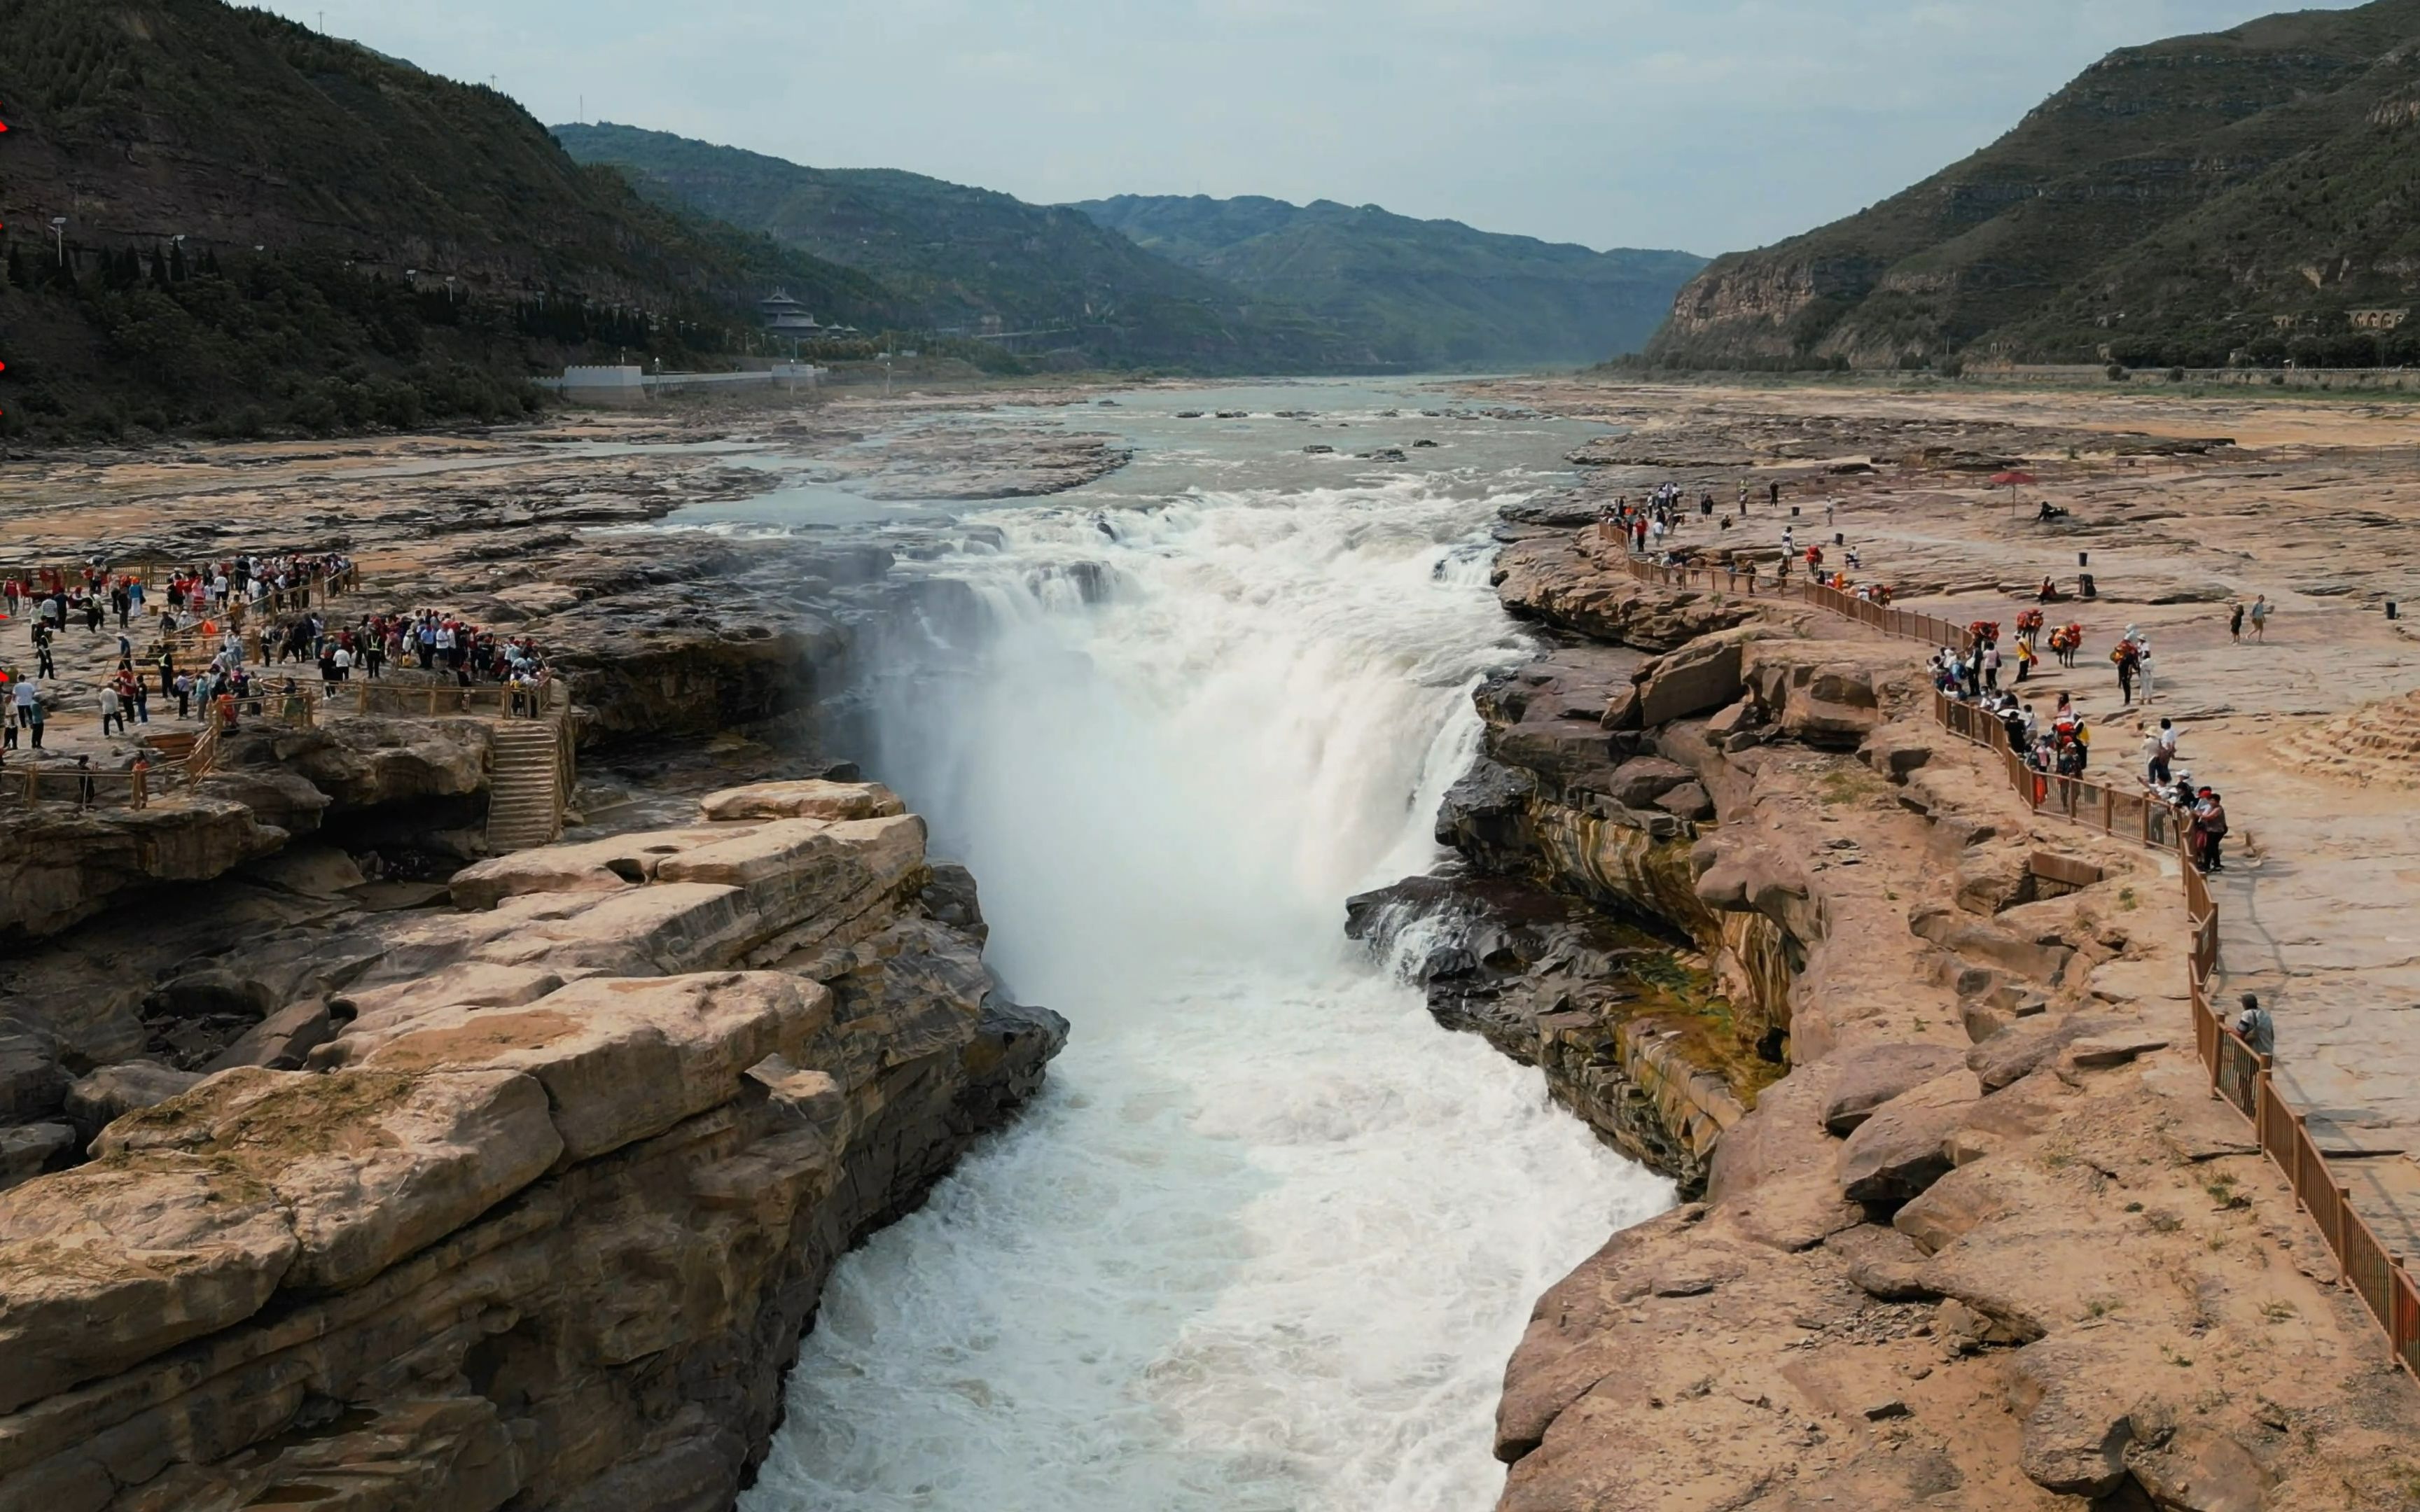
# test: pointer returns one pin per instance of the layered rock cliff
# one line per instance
(533, 1204)
(1609, 768)
(1985, 1239)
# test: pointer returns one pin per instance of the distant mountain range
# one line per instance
(1236, 283)
(2247, 193)
(264, 229)
(1427, 294)
(975, 263)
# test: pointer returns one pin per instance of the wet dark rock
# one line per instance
(950, 898)
(1482, 815)
(32, 1081)
(1568, 513)
(1506, 951)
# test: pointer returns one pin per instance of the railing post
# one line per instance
(2344, 1213)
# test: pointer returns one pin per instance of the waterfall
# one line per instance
(1267, 1239)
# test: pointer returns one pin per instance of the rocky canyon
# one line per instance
(1740, 1098)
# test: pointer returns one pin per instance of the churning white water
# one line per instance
(1268, 1239)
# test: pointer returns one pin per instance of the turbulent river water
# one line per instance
(1268, 1239)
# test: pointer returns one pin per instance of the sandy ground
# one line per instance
(2311, 733)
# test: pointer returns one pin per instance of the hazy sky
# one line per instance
(1705, 124)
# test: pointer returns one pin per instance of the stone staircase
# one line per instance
(525, 796)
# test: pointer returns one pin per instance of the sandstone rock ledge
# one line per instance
(1989, 1243)
(545, 1218)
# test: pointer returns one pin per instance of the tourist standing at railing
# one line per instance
(2209, 823)
(2258, 1028)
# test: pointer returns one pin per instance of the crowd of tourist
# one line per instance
(1650, 528)
(2060, 748)
(54, 598)
(221, 631)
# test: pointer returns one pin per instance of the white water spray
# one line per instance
(1266, 1240)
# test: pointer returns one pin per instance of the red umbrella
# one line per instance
(2012, 480)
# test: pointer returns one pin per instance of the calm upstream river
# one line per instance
(1268, 1238)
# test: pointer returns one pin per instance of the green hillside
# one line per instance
(1429, 294)
(974, 262)
(2243, 192)
(362, 242)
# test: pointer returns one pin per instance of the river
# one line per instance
(1266, 1240)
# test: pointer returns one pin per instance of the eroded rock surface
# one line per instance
(542, 1221)
(1970, 1250)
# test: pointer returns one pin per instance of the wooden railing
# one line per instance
(84, 787)
(71, 575)
(2238, 1073)
(431, 698)
(205, 754)
(297, 710)
(1742, 579)
(247, 617)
